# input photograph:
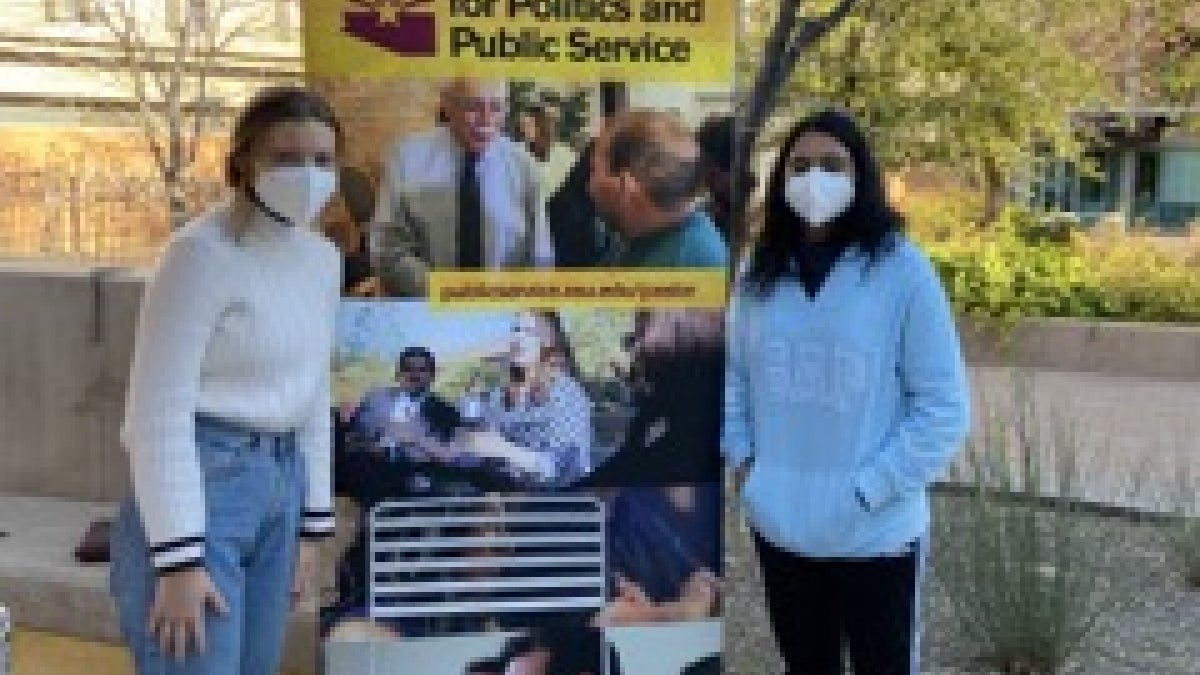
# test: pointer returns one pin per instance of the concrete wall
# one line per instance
(1116, 349)
(63, 365)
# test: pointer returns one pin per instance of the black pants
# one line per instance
(822, 608)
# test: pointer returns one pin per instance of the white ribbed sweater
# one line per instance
(242, 331)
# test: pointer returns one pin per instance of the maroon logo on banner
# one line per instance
(405, 27)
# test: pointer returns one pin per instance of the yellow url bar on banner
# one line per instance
(586, 289)
(686, 41)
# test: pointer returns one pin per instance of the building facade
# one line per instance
(77, 172)
(1143, 169)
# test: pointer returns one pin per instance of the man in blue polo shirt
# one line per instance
(645, 179)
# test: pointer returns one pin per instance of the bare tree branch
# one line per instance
(169, 70)
(117, 16)
(247, 26)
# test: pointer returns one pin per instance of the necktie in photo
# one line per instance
(470, 215)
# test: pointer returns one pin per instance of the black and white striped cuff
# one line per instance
(178, 554)
(317, 524)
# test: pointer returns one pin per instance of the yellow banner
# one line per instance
(684, 41)
(589, 289)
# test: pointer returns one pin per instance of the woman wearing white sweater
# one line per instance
(227, 422)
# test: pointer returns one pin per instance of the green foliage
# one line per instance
(1177, 65)
(965, 84)
(573, 105)
(355, 375)
(1037, 265)
(981, 87)
(595, 337)
(456, 377)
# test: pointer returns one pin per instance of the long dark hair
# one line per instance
(870, 224)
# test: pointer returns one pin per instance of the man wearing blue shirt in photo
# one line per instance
(645, 180)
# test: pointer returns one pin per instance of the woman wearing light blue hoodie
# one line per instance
(846, 396)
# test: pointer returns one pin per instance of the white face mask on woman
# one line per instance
(818, 196)
(295, 195)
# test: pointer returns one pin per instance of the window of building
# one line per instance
(1098, 189)
(1179, 187)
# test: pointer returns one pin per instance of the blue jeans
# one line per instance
(253, 486)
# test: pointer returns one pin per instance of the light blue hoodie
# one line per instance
(861, 391)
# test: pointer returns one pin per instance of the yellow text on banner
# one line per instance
(685, 41)
(585, 289)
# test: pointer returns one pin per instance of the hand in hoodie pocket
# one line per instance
(822, 513)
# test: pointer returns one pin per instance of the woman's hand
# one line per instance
(629, 607)
(699, 597)
(305, 576)
(177, 617)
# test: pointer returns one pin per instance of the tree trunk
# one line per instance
(176, 199)
(994, 192)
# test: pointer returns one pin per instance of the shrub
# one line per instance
(1024, 579)
(1185, 539)
(1183, 532)
(1030, 264)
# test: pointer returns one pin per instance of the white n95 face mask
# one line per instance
(819, 196)
(296, 194)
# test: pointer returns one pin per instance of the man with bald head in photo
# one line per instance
(461, 195)
(645, 180)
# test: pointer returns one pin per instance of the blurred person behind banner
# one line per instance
(461, 195)
(726, 192)
(227, 422)
(645, 180)
(675, 385)
(581, 239)
(664, 555)
(846, 396)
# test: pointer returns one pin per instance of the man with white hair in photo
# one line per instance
(461, 195)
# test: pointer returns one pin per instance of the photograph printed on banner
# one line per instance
(456, 410)
(468, 402)
(468, 173)
(633, 561)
